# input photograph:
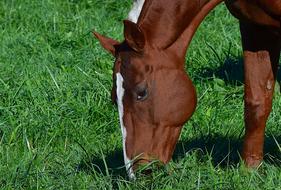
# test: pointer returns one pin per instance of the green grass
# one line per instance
(59, 130)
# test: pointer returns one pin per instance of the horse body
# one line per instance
(155, 96)
(262, 12)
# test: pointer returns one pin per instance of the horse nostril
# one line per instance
(143, 169)
(147, 171)
(146, 166)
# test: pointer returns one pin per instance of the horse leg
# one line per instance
(261, 46)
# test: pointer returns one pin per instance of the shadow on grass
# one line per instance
(224, 152)
(231, 72)
(112, 164)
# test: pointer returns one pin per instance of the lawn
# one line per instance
(59, 129)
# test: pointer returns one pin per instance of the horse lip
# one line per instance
(143, 165)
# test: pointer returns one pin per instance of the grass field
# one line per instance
(59, 130)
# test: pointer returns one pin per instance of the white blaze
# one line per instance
(133, 16)
(120, 94)
(136, 10)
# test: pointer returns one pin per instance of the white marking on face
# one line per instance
(120, 94)
(136, 10)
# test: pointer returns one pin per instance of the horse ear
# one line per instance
(134, 36)
(107, 43)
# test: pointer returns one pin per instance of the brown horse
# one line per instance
(155, 96)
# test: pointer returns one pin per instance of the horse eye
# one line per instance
(141, 93)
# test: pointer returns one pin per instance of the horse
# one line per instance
(155, 96)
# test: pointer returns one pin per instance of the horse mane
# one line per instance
(185, 38)
(191, 14)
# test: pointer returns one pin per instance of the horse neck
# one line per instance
(163, 21)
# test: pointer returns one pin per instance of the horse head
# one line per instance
(154, 96)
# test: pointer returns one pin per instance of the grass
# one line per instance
(59, 130)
